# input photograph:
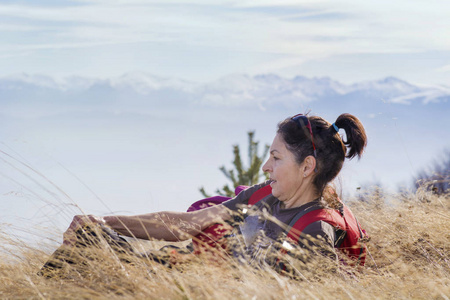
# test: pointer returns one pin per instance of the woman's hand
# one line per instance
(69, 237)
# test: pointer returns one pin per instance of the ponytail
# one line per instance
(356, 135)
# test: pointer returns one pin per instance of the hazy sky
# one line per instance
(202, 39)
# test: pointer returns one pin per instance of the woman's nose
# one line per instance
(266, 167)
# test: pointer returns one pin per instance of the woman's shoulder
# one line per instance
(243, 197)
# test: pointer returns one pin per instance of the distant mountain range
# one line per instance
(407, 124)
(263, 91)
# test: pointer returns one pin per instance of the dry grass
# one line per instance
(408, 259)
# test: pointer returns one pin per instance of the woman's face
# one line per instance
(286, 174)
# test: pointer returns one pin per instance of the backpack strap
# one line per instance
(260, 194)
(305, 218)
(302, 220)
(342, 222)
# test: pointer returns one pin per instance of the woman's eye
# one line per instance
(275, 158)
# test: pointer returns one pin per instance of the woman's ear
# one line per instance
(309, 165)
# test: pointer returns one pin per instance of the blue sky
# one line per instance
(203, 40)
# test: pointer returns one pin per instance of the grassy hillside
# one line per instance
(408, 259)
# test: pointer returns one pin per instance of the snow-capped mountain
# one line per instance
(262, 91)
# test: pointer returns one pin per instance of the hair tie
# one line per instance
(335, 127)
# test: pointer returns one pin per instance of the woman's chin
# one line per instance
(275, 193)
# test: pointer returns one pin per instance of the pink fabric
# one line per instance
(207, 202)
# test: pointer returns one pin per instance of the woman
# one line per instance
(307, 153)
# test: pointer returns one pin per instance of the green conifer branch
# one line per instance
(241, 175)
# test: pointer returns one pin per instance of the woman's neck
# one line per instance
(301, 198)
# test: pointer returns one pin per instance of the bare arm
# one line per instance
(169, 226)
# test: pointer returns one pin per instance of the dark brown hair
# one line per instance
(331, 150)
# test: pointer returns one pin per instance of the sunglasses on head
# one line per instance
(306, 123)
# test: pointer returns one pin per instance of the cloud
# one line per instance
(278, 33)
(445, 68)
(226, 23)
